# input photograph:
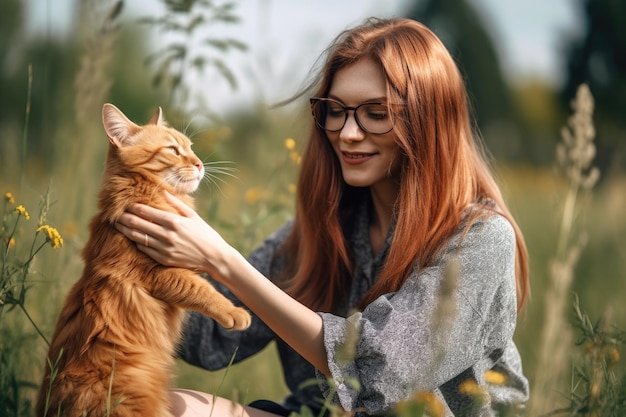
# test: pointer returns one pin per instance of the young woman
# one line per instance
(403, 270)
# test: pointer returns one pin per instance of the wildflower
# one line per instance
(494, 377)
(290, 144)
(22, 211)
(9, 198)
(433, 405)
(10, 243)
(471, 388)
(52, 236)
(423, 403)
(253, 195)
(295, 157)
(292, 188)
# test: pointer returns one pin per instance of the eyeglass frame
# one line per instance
(314, 100)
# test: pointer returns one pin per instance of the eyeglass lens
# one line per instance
(331, 115)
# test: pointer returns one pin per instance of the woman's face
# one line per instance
(367, 160)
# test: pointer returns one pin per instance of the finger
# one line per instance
(136, 229)
(146, 212)
(121, 227)
(152, 252)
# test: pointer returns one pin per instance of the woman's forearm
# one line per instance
(296, 324)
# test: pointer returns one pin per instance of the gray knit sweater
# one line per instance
(444, 327)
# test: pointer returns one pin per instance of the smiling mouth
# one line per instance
(352, 155)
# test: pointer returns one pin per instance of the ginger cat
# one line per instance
(117, 332)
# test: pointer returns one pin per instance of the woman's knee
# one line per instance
(190, 403)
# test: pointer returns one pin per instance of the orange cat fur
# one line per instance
(121, 321)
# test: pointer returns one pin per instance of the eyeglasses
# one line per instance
(331, 115)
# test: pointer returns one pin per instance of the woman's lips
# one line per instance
(355, 158)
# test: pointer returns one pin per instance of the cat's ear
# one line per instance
(157, 119)
(117, 126)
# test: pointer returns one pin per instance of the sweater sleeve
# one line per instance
(455, 316)
(210, 346)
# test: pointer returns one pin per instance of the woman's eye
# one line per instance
(376, 112)
(335, 111)
(377, 115)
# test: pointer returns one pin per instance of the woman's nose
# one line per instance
(351, 130)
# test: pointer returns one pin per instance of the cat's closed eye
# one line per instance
(175, 150)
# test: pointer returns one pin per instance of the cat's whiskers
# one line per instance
(213, 171)
(198, 130)
(216, 168)
(186, 127)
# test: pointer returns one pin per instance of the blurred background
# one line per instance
(217, 68)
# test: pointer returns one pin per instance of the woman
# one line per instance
(403, 269)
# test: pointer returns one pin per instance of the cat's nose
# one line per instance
(198, 165)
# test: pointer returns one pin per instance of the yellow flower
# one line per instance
(11, 243)
(9, 198)
(290, 144)
(21, 210)
(52, 236)
(292, 188)
(253, 195)
(423, 403)
(295, 157)
(432, 403)
(471, 388)
(494, 377)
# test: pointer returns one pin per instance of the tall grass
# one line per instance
(251, 213)
(574, 158)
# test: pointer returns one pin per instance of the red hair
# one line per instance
(443, 169)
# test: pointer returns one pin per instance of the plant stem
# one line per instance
(567, 220)
(26, 121)
(45, 339)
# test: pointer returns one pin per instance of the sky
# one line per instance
(286, 36)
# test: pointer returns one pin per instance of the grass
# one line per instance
(246, 209)
(246, 217)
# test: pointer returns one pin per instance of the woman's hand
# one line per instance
(183, 240)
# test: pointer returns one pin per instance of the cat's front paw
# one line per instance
(237, 319)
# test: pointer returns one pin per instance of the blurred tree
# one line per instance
(462, 30)
(541, 117)
(34, 72)
(598, 58)
(65, 71)
(192, 50)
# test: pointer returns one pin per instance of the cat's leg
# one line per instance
(188, 290)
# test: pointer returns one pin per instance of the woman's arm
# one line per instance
(187, 241)
(297, 325)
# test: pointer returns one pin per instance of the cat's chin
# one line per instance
(186, 187)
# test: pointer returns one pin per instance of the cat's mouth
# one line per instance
(186, 185)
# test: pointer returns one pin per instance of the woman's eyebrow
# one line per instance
(382, 99)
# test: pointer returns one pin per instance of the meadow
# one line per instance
(39, 270)
(570, 335)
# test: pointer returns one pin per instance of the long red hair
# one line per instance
(443, 170)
